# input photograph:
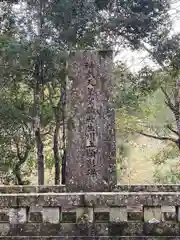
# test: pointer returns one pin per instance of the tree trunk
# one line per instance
(55, 136)
(63, 168)
(39, 143)
(40, 157)
(22, 160)
(17, 174)
(39, 79)
(60, 110)
(60, 115)
(63, 110)
(56, 150)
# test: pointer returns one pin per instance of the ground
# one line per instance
(140, 166)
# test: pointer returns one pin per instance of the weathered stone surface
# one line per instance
(84, 215)
(35, 217)
(48, 189)
(152, 213)
(40, 199)
(118, 214)
(68, 217)
(101, 217)
(17, 215)
(135, 213)
(4, 229)
(168, 213)
(36, 214)
(116, 205)
(96, 229)
(32, 189)
(63, 188)
(125, 229)
(8, 200)
(90, 238)
(148, 188)
(178, 212)
(91, 128)
(45, 229)
(130, 199)
(162, 229)
(4, 216)
(105, 199)
(51, 215)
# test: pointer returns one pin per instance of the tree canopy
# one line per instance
(35, 40)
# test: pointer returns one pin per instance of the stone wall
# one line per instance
(51, 213)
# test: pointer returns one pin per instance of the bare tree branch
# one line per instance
(168, 102)
(172, 130)
(157, 137)
(18, 152)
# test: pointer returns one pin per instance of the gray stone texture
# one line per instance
(129, 214)
(63, 188)
(91, 125)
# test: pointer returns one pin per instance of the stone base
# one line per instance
(51, 213)
(105, 230)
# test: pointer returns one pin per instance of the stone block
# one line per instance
(50, 189)
(124, 229)
(7, 201)
(17, 215)
(85, 215)
(79, 212)
(135, 213)
(35, 217)
(178, 212)
(36, 214)
(4, 229)
(65, 200)
(68, 217)
(105, 209)
(118, 214)
(163, 229)
(152, 213)
(168, 213)
(29, 189)
(29, 199)
(51, 215)
(101, 229)
(4, 217)
(101, 214)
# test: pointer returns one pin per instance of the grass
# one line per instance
(140, 167)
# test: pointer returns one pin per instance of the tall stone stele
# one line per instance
(91, 154)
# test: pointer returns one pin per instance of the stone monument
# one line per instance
(91, 155)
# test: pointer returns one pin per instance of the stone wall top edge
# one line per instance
(148, 188)
(71, 200)
(62, 188)
(93, 194)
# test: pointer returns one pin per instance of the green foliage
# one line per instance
(88, 24)
(42, 38)
(168, 152)
(121, 156)
(154, 109)
(167, 173)
(133, 89)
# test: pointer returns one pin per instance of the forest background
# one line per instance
(35, 40)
